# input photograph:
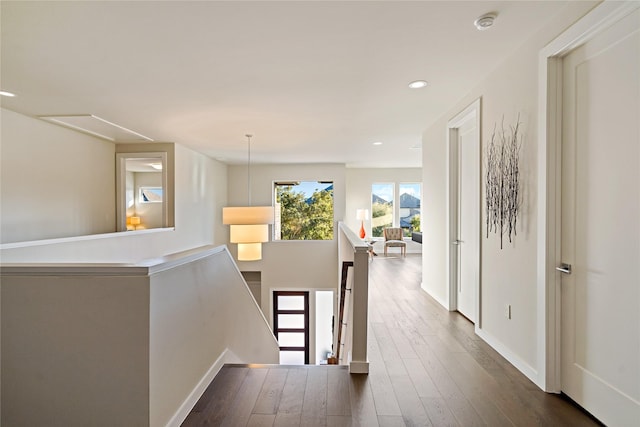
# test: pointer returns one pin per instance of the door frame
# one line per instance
(471, 112)
(549, 182)
(121, 185)
(307, 325)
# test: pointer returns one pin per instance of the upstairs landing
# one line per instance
(427, 368)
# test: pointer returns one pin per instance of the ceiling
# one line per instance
(143, 164)
(314, 82)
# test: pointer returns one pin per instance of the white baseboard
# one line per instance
(504, 351)
(181, 414)
(438, 300)
(511, 357)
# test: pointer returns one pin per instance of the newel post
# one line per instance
(360, 297)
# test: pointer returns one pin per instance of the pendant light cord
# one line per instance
(249, 168)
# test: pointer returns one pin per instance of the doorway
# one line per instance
(145, 171)
(291, 326)
(464, 212)
(590, 205)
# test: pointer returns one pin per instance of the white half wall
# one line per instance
(71, 342)
(123, 344)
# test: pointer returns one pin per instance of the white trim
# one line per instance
(549, 129)
(144, 267)
(511, 357)
(439, 300)
(471, 112)
(58, 240)
(451, 300)
(183, 411)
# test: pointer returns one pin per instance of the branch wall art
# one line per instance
(503, 180)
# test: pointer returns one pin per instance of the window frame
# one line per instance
(278, 211)
(393, 205)
(409, 183)
(141, 198)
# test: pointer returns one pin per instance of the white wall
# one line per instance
(70, 342)
(359, 182)
(200, 194)
(53, 182)
(508, 275)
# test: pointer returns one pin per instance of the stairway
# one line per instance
(301, 395)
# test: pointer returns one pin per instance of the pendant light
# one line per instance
(249, 224)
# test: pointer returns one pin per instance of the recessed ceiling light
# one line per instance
(418, 84)
(377, 143)
(485, 21)
(5, 93)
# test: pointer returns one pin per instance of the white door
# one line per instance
(601, 224)
(465, 168)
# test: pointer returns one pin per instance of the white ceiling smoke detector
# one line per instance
(485, 21)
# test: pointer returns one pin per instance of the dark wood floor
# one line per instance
(427, 368)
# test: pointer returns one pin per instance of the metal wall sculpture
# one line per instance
(503, 181)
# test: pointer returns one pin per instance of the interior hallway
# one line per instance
(427, 368)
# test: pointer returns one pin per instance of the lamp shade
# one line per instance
(253, 233)
(249, 251)
(135, 220)
(362, 214)
(249, 228)
(247, 215)
(249, 224)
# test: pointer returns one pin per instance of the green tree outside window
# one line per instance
(304, 217)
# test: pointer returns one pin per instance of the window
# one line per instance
(291, 326)
(381, 208)
(150, 194)
(303, 210)
(410, 207)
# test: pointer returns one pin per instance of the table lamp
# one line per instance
(362, 215)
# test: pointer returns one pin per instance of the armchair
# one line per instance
(393, 239)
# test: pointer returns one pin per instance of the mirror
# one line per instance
(140, 180)
(142, 191)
